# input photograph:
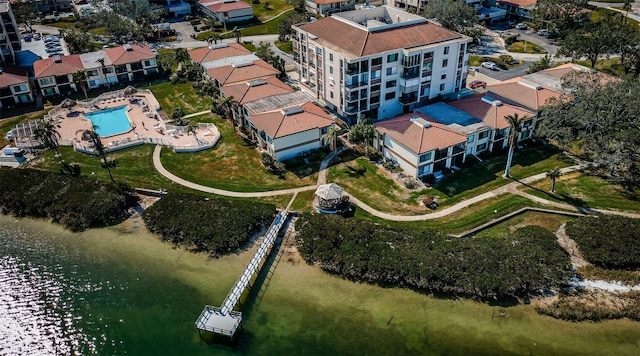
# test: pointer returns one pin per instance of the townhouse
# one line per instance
(241, 72)
(518, 9)
(221, 55)
(226, 11)
(14, 87)
(9, 34)
(243, 93)
(122, 64)
(328, 7)
(486, 10)
(379, 62)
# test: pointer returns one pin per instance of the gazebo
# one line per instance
(330, 197)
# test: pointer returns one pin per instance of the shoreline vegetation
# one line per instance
(77, 203)
(213, 225)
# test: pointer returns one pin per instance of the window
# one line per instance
(324, 130)
(389, 96)
(331, 95)
(425, 157)
(19, 88)
(374, 100)
(483, 134)
(392, 70)
(442, 87)
(331, 56)
(424, 170)
(107, 70)
(330, 70)
(92, 73)
(376, 74)
(93, 83)
(445, 62)
(481, 147)
(319, 50)
(443, 76)
(375, 87)
(376, 61)
(471, 138)
(392, 58)
(46, 81)
(391, 84)
(446, 50)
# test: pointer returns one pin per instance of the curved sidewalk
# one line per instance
(510, 188)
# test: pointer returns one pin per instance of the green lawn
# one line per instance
(234, 165)
(585, 190)
(610, 66)
(275, 7)
(362, 179)
(286, 47)
(250, 47)
(525, 47)
(182, 96)
(550, 222)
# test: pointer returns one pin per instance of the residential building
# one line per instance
(226, 11)
(487, 11)
(239, 73)
(175, 7)
(289, 132)
(53, 6)
(243, 93)
(9, 34)
(378, 62)
(518, 9)
(419, 145)
(328, 7)
(221, 55)
(14, 87)
(122, 64)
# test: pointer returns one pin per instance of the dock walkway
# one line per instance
(224, 320)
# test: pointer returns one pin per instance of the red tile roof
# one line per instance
(324, 2)
(250, 91)
(48, 67)
(222, 6)
(278, 124)
(233, 74)
(519, 3)
(418, 138)
(344, 37)
(219, 51)
(518, 90)
(12, 76)
(120, 55)
(492, 115)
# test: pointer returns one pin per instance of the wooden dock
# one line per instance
(224, 320)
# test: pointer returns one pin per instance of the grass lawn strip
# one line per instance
(525, 47)
(183, 96)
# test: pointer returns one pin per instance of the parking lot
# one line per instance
(44, 48)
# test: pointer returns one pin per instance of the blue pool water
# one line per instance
(109, 122)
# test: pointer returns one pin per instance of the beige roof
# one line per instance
(419, 138)
(12, 76)
(241, 73)
(522, 92)
(348, 38)
(254, 90)
(492, 114)
(219, 51)
(129, 53)
(519, 3)
(290, 121)
(324, 2)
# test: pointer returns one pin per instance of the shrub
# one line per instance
(410, 183)
(294, 162)
(511, 40)
(608, 241)
(77, 203)
(214, 225)
(505, 58)
(528, 261)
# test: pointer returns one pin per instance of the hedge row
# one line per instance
(583, 307)
(608, 241)
(217, 226)
(526, 263)
(75, 202)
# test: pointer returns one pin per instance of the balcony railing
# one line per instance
(356, 84)
(409, 98)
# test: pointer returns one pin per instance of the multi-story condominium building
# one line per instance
(378, 63)
(50, 6)
(519, 9)
(328, 7)
(14, 87)
(9, 34)
(121, 64)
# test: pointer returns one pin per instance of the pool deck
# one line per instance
(147, 125)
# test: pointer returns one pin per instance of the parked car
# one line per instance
(551, 34)
(475, 69)
(53, 49)
(36, 36)
(542, 32)
(511, 24)
(27, 38)
(477, 84)
(489, 65)
(521, 26)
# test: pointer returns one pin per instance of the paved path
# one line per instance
(197, 114)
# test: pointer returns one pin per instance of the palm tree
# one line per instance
(80, 78)
(237, 34)
(515, 122)
(177, 114)
(368, 133)
(192, 129)
(332, 137)
(93, 137)
(554, 174)
(47, 133)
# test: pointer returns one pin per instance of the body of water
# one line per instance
(121, 291)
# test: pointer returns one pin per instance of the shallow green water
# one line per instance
(121, 291)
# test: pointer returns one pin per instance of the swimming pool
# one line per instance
(109, 122)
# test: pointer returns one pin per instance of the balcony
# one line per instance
(410, 74)
(352, 98)
(351, 109)
(356, 84)
(408, 98)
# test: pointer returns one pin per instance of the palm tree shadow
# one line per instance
(576, 202)
(356, 172)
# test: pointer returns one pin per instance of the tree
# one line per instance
(265, 52)
(363, 132)
(177, 116)
(25, 12)
(554, 174)
(299, 6)
(237, 34)
(182, 56)
(593, 41)
(192, 128)
(515, 123)
(454, 15)
(80, 78)
(332, 137)
(599, 121)
(47, 133)
(561, 15)
(213, 39)
(78, 42)
(286, 20)
(542, 64)
(93, 137)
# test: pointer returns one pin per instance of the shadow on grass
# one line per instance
(356, 173)
(566, 198)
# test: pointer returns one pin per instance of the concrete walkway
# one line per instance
(197, 114)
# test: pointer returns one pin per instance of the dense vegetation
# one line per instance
(527, 262)
(608, 241)
(213, 225)
(593, 306)
(75, 202)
